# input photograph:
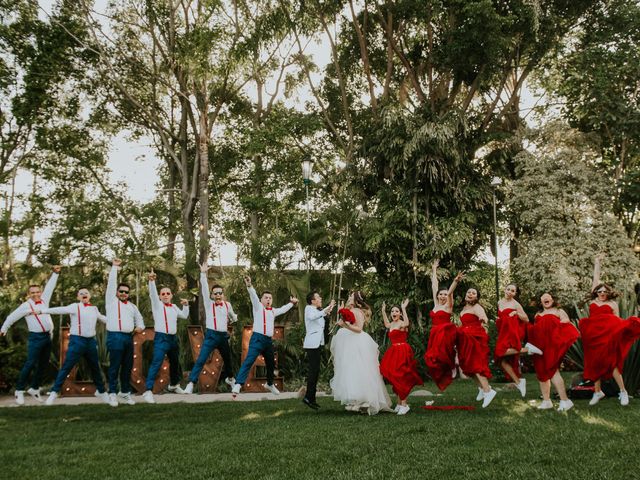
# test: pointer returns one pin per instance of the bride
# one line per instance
(357, 382)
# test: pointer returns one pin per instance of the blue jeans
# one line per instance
(120, 348)
(38, 351)
(259, 344)
(80, 347)
(212, 340)
(164, 344)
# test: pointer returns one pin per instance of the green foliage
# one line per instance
(564, 206)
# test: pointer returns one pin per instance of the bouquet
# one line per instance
(347, 316)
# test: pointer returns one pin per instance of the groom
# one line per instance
(315, 320)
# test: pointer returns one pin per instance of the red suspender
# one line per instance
(79, 322)
(37, 318)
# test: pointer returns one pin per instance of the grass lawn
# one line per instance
(284, 439)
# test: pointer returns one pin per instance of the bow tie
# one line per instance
(268, 308)
(168, 304)
(219, 304)
(38, 302)
(125, 301)
(87, 305)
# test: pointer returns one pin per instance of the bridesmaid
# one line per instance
(606, 338)
(472, 342)
(554, 332)
(398, 364)
(440, 356)
(511, 318)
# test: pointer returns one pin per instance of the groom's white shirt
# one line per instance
(314, 326)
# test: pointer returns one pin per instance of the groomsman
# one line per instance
(315, 319)
(40, 333)
(123, 318)
(165, 319)
(261, 339)
(82, 342)
(218, 313)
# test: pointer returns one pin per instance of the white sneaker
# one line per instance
(236, 390)
(480, 395)
(104, 396)
(126, 398)
(271, 388)
(51, 399)
(522, 386)
(113, 400)
(188, 390)
(396, 408)
(597, 396)
(19, 395)
(230, 381)
(624, 398)
(532, 349)
(35, 394)
(488, 398)
(148, 397)
(175, 389)
(545, 405)
(565, 405)
(403, 410)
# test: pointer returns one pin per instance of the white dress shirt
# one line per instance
(264, 318)
(165, 315)
(218, 314)
(39, 323)
(314, 326)
(84, 317)
(121, 316)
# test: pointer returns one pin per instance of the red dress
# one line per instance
(510, 335)
(440, 356)
(473, 346)
(606, 340)
(554, 339)
(399, 366)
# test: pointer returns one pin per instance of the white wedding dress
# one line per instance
(356, 381)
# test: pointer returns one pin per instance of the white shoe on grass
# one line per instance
(148, 397)
(35, 394)
(19, 396)
(113, 400)
(126, 398)
(188, 390)
(597, 396)
(403, 410)
(624, 398)
(271, 388)
(545, 405)
(51, 399)
(532, 349)
(104, 396)
(565, 405)
(480, 395)
(522, 387)
(488, 398)
(175, 389)
(236, 389)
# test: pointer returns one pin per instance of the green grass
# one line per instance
(284, 439)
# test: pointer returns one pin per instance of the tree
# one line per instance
(564, 205)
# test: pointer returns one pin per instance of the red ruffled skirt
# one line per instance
(554, 338)
(510, 335)
(472, 343)
(399, 366)
(440, 356)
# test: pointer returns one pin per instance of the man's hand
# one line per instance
(247, 280)
(56, 268)
(293, 299)
(3, 334)
(204, 268)
(137, 330)
(152, 277)
(116, 262)
(332, 304)
(184, 301)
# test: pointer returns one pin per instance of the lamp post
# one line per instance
(495, 183)
(307, 166)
